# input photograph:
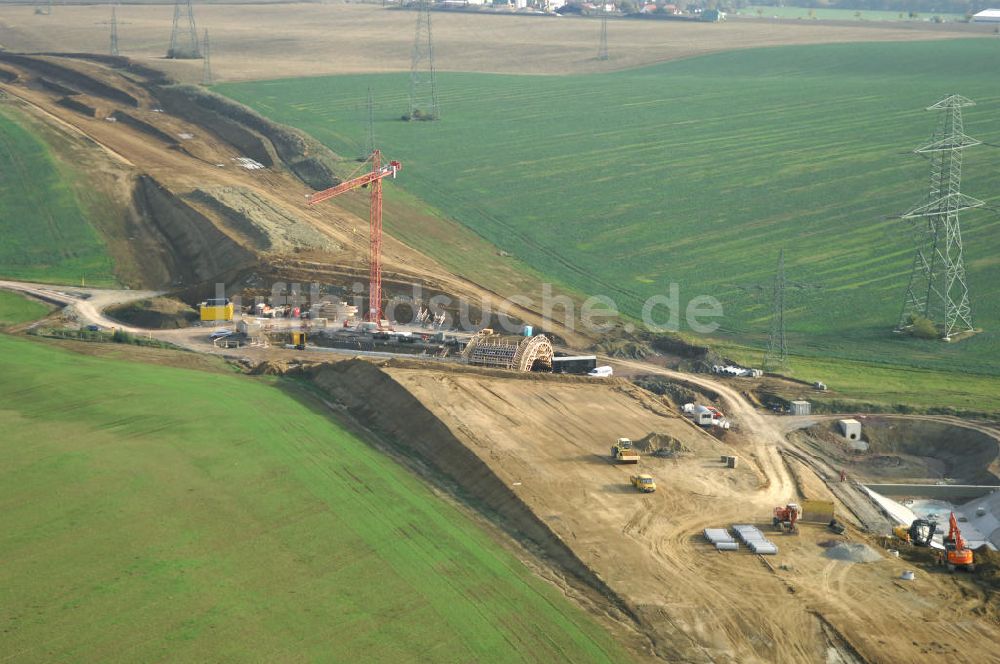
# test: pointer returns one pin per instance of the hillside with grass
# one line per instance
(696, 172)
(155, 513)
(16, 309)
(45, 234)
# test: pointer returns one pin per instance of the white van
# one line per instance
(601, 372)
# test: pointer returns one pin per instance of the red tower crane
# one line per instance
(373, 178)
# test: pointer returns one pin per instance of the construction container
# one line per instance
(727, 546)
(529, 331)
(801, 408)
(724, 458)
(731, 462)
(216, 310)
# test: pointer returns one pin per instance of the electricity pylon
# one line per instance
(776, 356)
(184, 43)
(937, 289)
(369, 125)
(206, 70)
(423, 86)
(602, 47)
(114, 23)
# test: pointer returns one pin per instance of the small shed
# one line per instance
(850, 429)
(801, 408)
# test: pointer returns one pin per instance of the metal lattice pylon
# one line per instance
(114, 31)
(369, 125)
(113, 24)
(937, 289)
(602, 47)
(184, 43)
(776, 356)
(206, 71)
(423, 86)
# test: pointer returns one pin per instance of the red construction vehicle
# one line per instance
(786, 517)
(955, 553)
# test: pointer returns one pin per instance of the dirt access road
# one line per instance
(283, 40)
(85, 305)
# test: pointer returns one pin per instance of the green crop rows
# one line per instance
(154, 513)
(696, 172)
(44, 233)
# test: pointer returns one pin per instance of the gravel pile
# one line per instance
(853, 553)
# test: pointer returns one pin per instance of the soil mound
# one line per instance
(269, 368)
(661, 445)
(988, 567)
(853, 553)
(158, 313)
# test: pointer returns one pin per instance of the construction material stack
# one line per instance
(721, 538)
(755, 540)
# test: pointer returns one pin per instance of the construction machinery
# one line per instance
(956, 555)
(623, 451)
(644, 483)
(918, 533)
(786, 517)
(374, 178)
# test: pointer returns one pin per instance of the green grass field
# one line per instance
(696, 172)
(153, 513)
(44, 232)
(15, 309)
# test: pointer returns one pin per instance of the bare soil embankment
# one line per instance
(532, 453)
(180, 209)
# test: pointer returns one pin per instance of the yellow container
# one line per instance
(217, 312)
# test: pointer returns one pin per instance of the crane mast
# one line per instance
(374, 178)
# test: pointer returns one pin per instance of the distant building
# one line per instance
(987, 16)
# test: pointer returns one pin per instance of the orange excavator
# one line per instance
(955, 553)
(786, 517)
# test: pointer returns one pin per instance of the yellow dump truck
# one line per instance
(644, 483)
(623, 452)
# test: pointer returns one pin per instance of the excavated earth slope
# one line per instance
(533, 453)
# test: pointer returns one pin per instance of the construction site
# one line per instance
(698, 510)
